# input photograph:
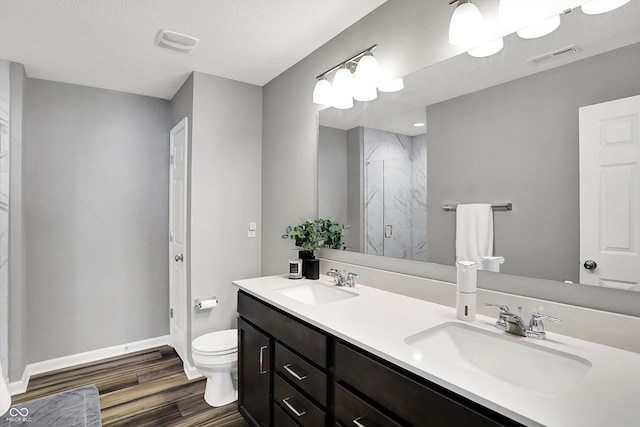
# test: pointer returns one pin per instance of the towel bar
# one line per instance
(495, 206)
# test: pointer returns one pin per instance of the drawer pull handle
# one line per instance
(295, 375)
(262, 349)
(294, 410)
(357, 423)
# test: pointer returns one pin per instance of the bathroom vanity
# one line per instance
(313, 354)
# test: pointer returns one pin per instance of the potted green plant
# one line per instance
(311, 235)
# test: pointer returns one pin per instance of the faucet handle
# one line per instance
(351, 279)
(504, 312)
(503, 308)
(537, 318)
(536, 327)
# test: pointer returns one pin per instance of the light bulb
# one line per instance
(367, 73)
(322, 92)
(595, 7)
(466, 25)
(541, 28)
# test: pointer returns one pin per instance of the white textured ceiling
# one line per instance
(110, 43)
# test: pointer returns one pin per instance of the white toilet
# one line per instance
(215, 355)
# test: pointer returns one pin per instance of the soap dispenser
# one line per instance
(466, 290)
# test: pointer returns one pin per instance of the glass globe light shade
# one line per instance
(595, 7)
(392, 85)
(487, 49)
(518, 14)
(541, 28)
(364, 93)
(367, 72)
(343, 88)
(322, 92)
(466, 25)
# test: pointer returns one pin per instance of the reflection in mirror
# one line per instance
(499, 129)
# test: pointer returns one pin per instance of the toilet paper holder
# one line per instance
(205, 304)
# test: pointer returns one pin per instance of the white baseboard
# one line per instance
(190, 371)
(20, 386)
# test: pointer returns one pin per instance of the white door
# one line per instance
(610, 193)
(178, 239)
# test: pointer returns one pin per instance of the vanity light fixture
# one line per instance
(367, 72)
(468, 29)
(595, 7)
(540, 28)
(467, 25)
(530, 18)
(343, 88)
(356, 78)
(392, 86)
(487, 49)
(323, 92)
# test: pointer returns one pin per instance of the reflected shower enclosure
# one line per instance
(395, 195)
(375, 182)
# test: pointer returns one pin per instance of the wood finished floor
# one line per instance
(144, 388)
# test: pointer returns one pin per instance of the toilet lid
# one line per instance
(217, 342)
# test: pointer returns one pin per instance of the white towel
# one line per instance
(474, 232)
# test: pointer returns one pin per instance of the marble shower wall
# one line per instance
(395, 195)
(5, 81)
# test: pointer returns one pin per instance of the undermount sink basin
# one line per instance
(516, 361)
(312, 292)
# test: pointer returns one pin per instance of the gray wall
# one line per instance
(290, 123)
(225, 195)
(518, 142)
(95, 202)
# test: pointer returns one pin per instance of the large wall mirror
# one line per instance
(501, 129)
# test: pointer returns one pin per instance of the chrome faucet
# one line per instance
(513, 324)
(348, 281)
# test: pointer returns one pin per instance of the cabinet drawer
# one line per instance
(296, 405)
(301, 373)
(350, 410)
(307, 341)
(412, 401)
(281, 419)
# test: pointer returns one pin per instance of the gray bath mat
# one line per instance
(79, 407)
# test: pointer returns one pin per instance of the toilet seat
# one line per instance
(216, 343)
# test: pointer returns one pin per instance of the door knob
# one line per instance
(179, 258)
(590, 264)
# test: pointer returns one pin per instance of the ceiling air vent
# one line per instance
(176, 41)
(556, 54)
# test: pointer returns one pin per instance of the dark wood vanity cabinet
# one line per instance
(297, 357)
(389, 397)
(315, 379)
(254, 374)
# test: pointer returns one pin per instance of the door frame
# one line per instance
(175, 311)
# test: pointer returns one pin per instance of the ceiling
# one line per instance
(110, 43)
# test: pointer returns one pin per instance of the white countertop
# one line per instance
(378, 321)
